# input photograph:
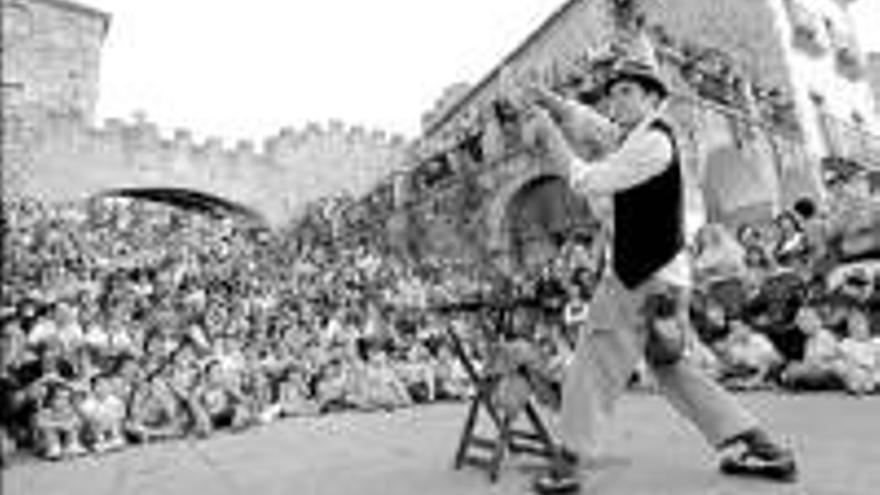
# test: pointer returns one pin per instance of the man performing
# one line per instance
(640, 307)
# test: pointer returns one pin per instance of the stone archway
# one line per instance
(530, 216)
(189, 200)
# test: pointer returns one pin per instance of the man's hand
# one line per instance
(544, 133)
(515, 86)
(536, 93)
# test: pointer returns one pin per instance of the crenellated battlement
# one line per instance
(140, 135)
(51, 151)
(274, 175)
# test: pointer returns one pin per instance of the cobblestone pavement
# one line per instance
(410, 452)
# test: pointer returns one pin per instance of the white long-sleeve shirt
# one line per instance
(644, 153)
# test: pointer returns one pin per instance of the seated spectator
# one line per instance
(96, 339)
(381, 387)
(53, 366)
(257, 387)
(14, 351)
(333, 387)
(859, 356)
(857, 285)
(67, 328)
(14, 427)
(58, 424)
(772, 312)
(222, 400)
(452, 379)
(154, 412)
(758, 266)
(417, 371)
(820, 367)
(104, 415)
(229, 357)
(184, 370)
(709, 318)
(43, 328)
(748, 357)
(120, 340)
(294, 397)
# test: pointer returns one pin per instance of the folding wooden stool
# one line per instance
(533, 438)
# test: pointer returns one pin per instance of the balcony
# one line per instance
(851, 142)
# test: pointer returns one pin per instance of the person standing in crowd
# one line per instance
(647, 287)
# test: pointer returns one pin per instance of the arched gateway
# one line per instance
(531, 215)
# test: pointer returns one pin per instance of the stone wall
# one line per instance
(733, 112)
(53, 152)
(52, 55)
(65, 159)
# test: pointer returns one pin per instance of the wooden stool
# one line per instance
(532, 438)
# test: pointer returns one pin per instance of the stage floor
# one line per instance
(410, 453)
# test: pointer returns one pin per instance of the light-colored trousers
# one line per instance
(609, 347)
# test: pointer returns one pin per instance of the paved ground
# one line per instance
(410, 452)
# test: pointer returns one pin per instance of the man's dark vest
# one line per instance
(648, 221)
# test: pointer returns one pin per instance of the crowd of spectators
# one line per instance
(129, 322)
(777, 308)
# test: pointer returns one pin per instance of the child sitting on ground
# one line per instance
(222, 400)
(382, 387)
(293, 395)
(858, 356)
(104, 415)
(819, 368)
(154, 412)
(452, 379)
(58, 424)
(748, 357)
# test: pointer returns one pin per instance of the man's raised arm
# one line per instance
(580, 122)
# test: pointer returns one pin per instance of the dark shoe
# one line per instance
(562, 478)
(775, 466)
(557, 483)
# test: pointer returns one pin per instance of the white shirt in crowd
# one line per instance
(43, 330)
(822, 347)
(105, 412)
(861, 353)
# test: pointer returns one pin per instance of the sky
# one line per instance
(243, 70)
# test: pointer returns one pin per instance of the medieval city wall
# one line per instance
(64, 159)
(52, 151)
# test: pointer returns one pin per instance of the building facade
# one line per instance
(874, 78)
(746, 81)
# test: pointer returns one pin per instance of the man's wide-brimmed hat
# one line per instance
(645, 73)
